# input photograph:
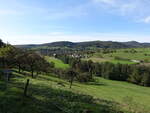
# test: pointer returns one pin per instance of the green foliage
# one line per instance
(84, 77)
(1, 43)
(121, 72)
(11, 57)
(6, 56)
(71, 74)
(145, 79)
(135, 77)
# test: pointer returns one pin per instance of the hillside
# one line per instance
(90, 44)
(123, 56)
(136, 44)
(96, 44)
(49, 94)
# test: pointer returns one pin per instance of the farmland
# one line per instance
(126, 56)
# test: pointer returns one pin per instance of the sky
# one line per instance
(43, 21)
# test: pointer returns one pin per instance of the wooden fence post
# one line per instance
(26, 87)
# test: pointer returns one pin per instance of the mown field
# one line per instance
(127, 56)
(58, 63)
(48, 94)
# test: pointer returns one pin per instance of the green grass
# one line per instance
(121, 62)
(45, 95)
(45, 90)
(110, 57)
(58, 63)
(133, 56)
(96, 59)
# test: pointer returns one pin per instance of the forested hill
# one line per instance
(94, 44)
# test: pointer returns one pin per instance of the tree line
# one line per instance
(11, 57)
(137, 74)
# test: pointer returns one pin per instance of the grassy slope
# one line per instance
(45, 95)
(117, 91)
(58, 63)
(99, 57)
(106, 59)
(45, 90)
(133, 56)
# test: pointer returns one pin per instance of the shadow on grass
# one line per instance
(19, 74)
(44, 99)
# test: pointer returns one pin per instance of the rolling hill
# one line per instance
(47, 95)
(95, 44)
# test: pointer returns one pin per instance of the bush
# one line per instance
(84, 77)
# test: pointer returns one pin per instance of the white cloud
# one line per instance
(105, 1)
(133, 9)
(146, 20)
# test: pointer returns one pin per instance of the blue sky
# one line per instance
(42, 21)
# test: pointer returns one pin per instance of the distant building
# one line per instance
(76, 56)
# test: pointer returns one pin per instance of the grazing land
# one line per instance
(58, 63)
(123, 56)
(75, 80)
(48, 93)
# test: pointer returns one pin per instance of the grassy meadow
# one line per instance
(58, 63)
(141, 54)
(50, 94)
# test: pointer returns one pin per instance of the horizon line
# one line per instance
(80, 42)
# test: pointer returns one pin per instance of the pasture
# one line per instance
(58, 63)
(46, 94)
(123, 56)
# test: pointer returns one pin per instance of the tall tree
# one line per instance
(33, 59)
(7, 56)
(20, 58)
(71, 74)
(135, 77)
(145, 79)
(1, 43)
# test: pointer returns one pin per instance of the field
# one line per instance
(58, 63)
(127, 56)
(47, 93)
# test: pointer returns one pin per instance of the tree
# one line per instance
(84, 77)
(33, 61)
(90, 67)
(135, 77)
(71, 74)
(1, 43)
(20, 58)
(7, 56)
(43, 66)
(145, 79)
